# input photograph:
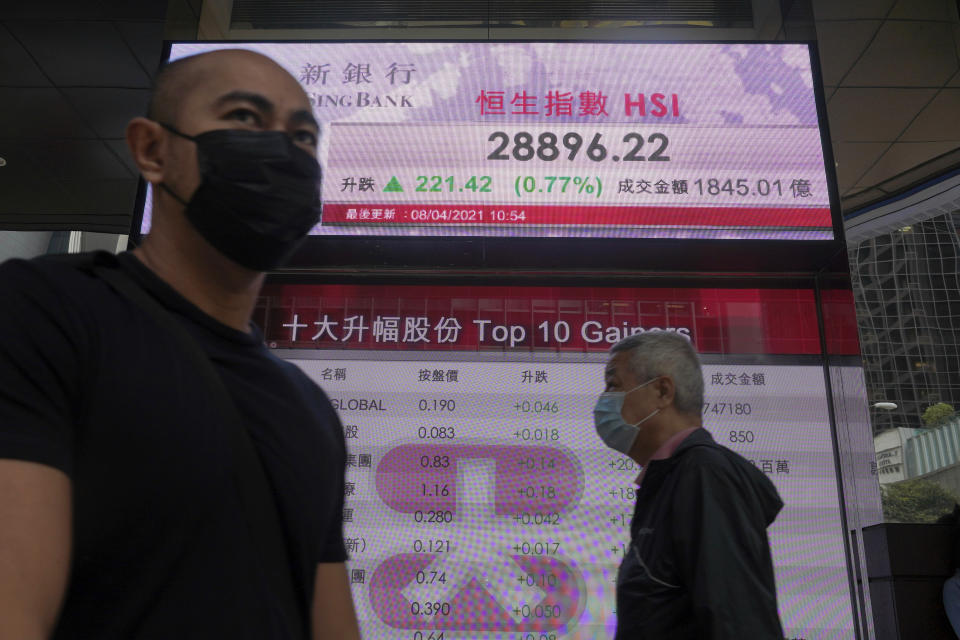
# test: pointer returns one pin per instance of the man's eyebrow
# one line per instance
(303, 117)
(255, 99)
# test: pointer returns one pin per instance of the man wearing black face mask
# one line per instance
(129, 507)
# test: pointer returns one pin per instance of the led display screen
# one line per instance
(480, 502)
(561, 139)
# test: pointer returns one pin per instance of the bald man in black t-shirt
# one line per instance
(120, 515)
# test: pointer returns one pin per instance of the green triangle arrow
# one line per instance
(393, 185)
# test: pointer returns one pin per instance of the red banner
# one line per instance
(482, 318)
(655, 216)
(840, 322)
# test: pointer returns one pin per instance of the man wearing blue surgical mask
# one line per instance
(698, 564)
(162, 474)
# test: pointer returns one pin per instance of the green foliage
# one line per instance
(916, 501)
(937, 413)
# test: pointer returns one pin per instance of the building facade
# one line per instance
(905, 267)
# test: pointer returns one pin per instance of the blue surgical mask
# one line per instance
(608, 419)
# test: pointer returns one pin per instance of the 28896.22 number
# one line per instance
(546, 148)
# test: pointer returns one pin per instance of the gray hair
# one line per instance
(662, 353)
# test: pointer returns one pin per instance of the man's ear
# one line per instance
(666, 390)
(146, 138)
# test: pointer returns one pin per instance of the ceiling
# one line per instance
(892, 84)
(73, 73)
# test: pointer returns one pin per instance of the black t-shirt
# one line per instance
(89, 384)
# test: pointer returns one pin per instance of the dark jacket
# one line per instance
(699, 565)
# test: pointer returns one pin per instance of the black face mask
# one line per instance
(258, 195)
